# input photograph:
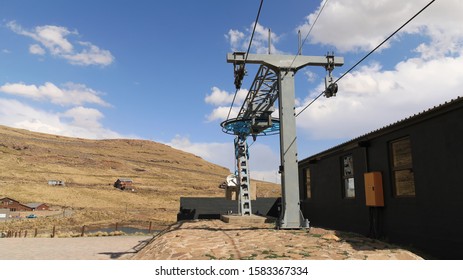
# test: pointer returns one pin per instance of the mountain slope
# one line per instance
(89, 168)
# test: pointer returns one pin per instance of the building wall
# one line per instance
(4, 214)
(42, 207)
(192, 208)
(122, 184)
(324, 205)
(431, 222)
(13, 205)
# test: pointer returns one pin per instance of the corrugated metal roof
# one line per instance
(125, 180)
(407, 121)
(34, 204)
(7, 198)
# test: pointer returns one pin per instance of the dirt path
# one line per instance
(82, 248)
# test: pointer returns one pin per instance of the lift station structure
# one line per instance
(274, 81)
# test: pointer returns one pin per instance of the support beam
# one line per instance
(282, 61)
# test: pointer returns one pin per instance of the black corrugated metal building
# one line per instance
(420, 160)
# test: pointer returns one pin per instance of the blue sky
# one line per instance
(156, 70)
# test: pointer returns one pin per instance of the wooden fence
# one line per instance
(118, 228)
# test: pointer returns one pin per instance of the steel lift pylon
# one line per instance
(243, 178)
(275, 80)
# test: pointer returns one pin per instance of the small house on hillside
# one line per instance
(37, 206)
(13, 205)
(123, 183)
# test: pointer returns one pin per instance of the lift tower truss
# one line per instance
(258, 105)
(275, 80)
(244, 181)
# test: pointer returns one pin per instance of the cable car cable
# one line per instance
(246, 57)
(372, 51)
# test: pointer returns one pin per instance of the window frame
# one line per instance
(307, 183)
(346, 178)
(403, 167)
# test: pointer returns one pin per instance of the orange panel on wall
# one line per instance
(374, 189)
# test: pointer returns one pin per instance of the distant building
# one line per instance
(13, 205)
(123, 183)
(401, 183)
(56, 183)
(37, 206)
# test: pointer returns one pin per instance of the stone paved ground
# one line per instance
(214, 239)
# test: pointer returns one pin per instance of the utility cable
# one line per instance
(253, 30)
(247, 53)
(368, 54)
(307, 36)
(231, 106)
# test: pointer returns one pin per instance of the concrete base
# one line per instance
(243, 220)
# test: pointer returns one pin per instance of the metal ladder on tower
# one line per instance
(243, 177)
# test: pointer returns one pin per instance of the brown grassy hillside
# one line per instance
(160, 173)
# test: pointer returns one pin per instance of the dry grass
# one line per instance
(160, 173)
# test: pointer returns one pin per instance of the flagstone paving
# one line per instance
(214, 239)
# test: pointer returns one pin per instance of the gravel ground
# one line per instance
(82, 248)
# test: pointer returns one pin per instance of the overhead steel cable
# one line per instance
(368, 54)
(231, 106)
(306, 36)
(253, 31)
(246, 57)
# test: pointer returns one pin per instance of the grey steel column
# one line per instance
(290, 212)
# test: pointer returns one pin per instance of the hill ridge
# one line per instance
(161, 174)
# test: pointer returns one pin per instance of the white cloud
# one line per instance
(235, 39)
(16, 114)
(51, 37)
(262, 157)
(36, 49)
(56, 39)
(76, 122)
(263, 161)
(239, 41)
(90, 55)
(311, 76)
(441, 22)
(218, 153)
(221, 113)
(222, 97)
(371, 97)
(222, 100)
(68, 94)
(84, 117)
(351, 25)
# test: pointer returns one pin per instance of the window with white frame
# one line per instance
(348, 176)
